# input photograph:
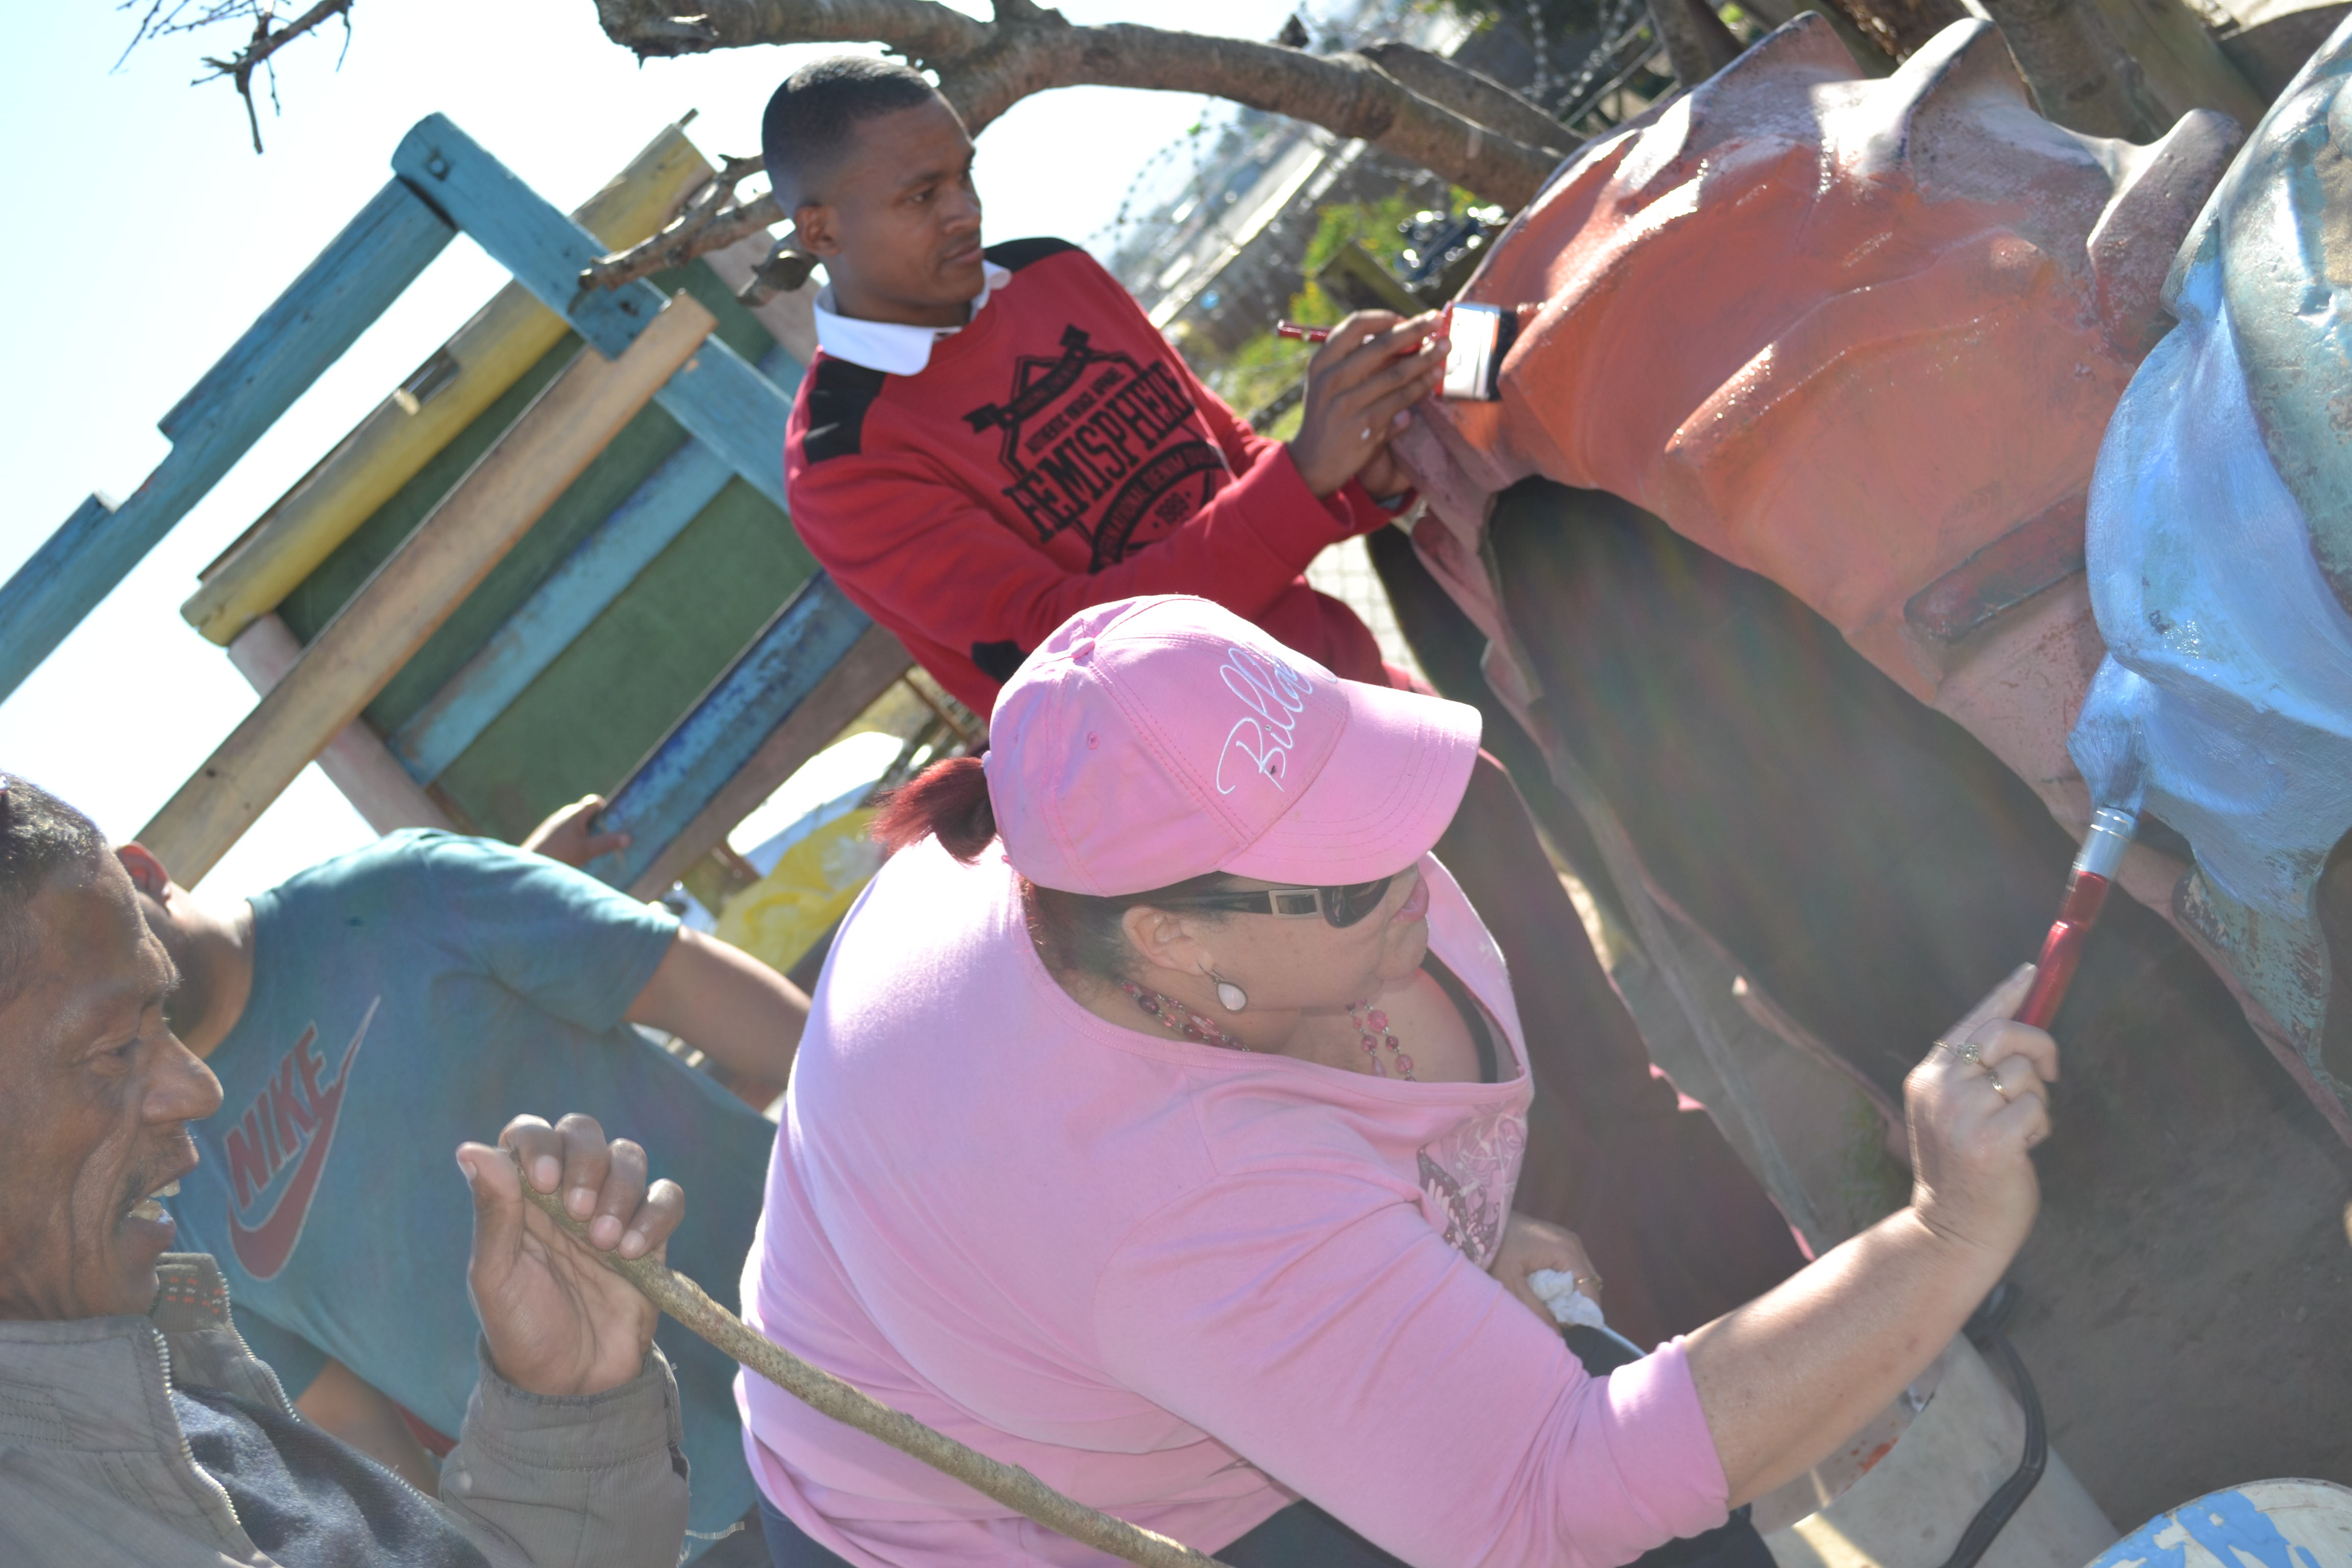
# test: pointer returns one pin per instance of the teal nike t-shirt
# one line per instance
(406, 998)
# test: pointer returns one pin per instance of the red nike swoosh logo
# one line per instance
(262, 1249)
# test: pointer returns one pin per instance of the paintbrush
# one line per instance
(2107, 748)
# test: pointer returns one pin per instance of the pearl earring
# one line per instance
(1230, 996)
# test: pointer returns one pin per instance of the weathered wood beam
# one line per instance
(568, 602)
(409, 428)
(848, 689)
(721, 400)
(378, 254)
(451, 550)
(356, 760)
(687, 767)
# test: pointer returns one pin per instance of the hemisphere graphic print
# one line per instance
(1089, 425)
(286, 1132)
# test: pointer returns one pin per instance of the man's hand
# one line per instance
(1529, 1245)
(559, 1322)
(568, 835)
(1374, 366)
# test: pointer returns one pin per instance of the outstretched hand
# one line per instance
(558, 1320)
(570, 836)
(1977, 1104)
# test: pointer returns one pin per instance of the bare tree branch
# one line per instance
(167, 16)
(2084, 78)
(1472, 95)
(984, 68)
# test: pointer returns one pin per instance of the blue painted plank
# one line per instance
(736, 412)
(721, 400)
(693, 763)
(579, 590)
(320, 314)
(522, 232)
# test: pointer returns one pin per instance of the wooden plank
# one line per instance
(848, 689)
(488, 354)
(709, 746)
(378, 254)
(647, 660)
(566, 603)
(451, 551)
(356, 760)
(723, 402)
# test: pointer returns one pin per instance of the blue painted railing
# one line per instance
(354, 280)
(693, 763)
(721, 400)
(579, 590)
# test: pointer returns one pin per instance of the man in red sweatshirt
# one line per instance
(991, 440)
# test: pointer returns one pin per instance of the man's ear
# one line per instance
(814, 231)
(147, 873)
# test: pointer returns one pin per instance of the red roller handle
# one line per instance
(2062, 950)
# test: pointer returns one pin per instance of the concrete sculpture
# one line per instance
(1864, 338)
(2220, 564)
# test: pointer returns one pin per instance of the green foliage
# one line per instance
(1265, 366)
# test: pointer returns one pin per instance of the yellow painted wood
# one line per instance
(451, 550)
(486, 357)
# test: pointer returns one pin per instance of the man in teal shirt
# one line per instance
(373, 1012)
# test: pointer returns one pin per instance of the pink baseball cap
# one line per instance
(1153, 740)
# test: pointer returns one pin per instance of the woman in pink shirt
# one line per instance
(1155, 1128)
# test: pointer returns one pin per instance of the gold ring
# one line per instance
(1968, 1051)
(1588, 1283)
(1993, 1078)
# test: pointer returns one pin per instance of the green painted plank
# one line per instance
(585, 724)
(642, 445)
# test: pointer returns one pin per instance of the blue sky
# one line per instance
(146, 235)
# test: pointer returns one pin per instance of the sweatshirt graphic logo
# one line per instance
(1087, 435)
(291, 1123)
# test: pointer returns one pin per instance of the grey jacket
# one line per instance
(95, 1472)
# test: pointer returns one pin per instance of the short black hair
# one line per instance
(39, 835)
(811, 117)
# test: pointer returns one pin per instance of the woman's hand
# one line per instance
(1374, 366)
(1976, 1105)
(1529, 1245)
(558, 1322)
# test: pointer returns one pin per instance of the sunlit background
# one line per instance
(146, 235)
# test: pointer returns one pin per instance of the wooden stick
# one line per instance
(413, 592)
(1014, 1486)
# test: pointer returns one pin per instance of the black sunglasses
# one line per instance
(1341, 907)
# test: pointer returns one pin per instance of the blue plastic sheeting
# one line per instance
(2211, 515)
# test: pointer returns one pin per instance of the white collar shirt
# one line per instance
(892, 347)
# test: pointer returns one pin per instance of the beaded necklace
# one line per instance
(1372, 1030)
(1372, 1026)
(1175, 1015)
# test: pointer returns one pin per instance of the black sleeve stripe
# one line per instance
(839, 394)
(1015, 254)
(1000, 661)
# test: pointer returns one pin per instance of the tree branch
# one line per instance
(984, 68)
(1472, 95)
(266, 42)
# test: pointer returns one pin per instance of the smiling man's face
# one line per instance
(95, 1097)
